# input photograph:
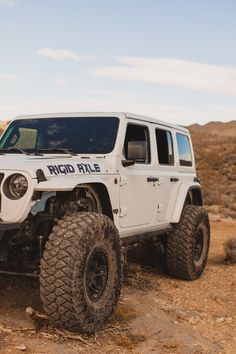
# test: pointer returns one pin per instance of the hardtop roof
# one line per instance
(103, 114)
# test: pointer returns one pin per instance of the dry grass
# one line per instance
(2, 335)
(139, 279)
(129, 340)
(230, 250)
(4, 332)
(124, 314)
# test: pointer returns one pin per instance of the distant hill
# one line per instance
(215, 153)
(216, 128)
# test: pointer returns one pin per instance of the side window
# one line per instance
(185, 156)
(138, 133)
(164, 147)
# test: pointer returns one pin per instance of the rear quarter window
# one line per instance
(184, 149)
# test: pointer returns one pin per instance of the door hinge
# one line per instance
(123, 211)
(160, 181)
(123, 181)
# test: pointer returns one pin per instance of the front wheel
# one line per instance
(188, 245)
(81, 272)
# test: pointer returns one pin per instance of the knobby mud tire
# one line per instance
(63, 285)
(182, 244)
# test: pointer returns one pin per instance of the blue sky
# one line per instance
(172, 59)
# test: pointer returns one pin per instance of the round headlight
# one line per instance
(16, 186)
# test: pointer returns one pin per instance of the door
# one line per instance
(137, 191)
(168, 178)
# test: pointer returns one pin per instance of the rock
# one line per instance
(21, 347)
(220, 319)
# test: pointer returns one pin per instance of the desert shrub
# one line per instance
(232, 177)
(231, 214)
(233, 206)
(230, 250)
(211, 197)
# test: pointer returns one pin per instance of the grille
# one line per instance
(1, 178)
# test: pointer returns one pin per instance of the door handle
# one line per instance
(152, 179)
(174, 179)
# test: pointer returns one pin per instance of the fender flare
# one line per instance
(181, 198)
(66, 184)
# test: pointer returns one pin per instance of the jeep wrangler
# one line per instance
(75, 188)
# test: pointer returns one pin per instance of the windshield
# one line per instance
(85, 135)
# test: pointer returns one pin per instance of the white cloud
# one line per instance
(9, 77)
(91, 57)
(172, 72)
(116, 101)
(60, 82)
(58, 54)
(9, 3)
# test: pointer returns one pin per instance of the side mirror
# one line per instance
(137, 151)
(127, 163)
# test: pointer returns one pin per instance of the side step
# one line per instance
(153, 235)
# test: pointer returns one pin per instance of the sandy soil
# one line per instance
(156, 314)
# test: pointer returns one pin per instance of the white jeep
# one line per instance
(76, 187)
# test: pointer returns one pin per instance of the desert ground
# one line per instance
(156, 314)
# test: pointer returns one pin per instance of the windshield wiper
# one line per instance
(38, 152)
(56, 150)
(14, 150)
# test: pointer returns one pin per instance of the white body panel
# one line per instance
(142, 206)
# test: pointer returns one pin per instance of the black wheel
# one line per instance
(188, 245)
(80, 277)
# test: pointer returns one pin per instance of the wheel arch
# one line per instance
(187, 194)
(195, 196)
(102, 192)
(69, 185)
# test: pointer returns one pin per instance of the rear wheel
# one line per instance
(81, 272)
(188, 245)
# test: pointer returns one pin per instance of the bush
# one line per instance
(230, 250)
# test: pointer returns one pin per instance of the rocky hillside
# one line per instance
(216, 128)
(215, 152)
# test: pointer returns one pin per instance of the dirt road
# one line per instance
(156, 314)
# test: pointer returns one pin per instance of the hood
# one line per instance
(56, 165)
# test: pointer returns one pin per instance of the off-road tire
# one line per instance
(190, 235)
(63, 281)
